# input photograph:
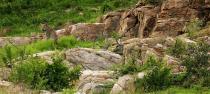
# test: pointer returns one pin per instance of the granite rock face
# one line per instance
(92, 59)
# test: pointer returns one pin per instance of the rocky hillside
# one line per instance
(158, 46)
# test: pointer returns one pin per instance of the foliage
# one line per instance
(129, 67)
(30, 73)
(193, 26)
(38, 74)
(58, 75)
(10, 52)
(157, 78)
(181, 90)
(197, 63)
(69, 91)
(7, 56)
(178, 49)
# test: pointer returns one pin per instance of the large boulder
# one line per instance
(124, 85)
(92, 59)
(111, 21)
(95, 82)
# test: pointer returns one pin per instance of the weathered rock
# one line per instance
(169, 41)
(5, 73)
(46, 55)
(5, 83)
(140, 75)
(14, 41)
(137, 48)
(111, 21)
(173, 63)
(151, 52)
(168, 19)
(124, 85)
(85, 31)
(94, 81)
(92, 59)
(187, 41)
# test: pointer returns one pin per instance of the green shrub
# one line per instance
(157, 77)
(7, 57)
(129, 67)
(178, 79)
(106, 7)
(30, 72)
(197, 63)
(58, 75)
(193, 26)
(38, 74)
(178, 49)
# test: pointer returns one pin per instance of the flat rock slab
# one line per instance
(14, 41)
(92, 59)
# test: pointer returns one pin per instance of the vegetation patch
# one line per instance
(38, 74)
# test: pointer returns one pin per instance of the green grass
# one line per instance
(47, 45)
(23, 17)
(180, 90)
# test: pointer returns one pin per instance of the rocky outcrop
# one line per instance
(111, 21)
(95, 82)
(168, 19)
(92, 59)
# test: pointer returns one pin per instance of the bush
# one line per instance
(178, 49)
(197, 63)
(128, 68)
(30, 72)
(193, 26)
(38, 74)
(157, 78)
(57, 75)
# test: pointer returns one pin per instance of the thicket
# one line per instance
(38, 74)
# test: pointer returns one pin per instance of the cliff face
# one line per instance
(168, 19)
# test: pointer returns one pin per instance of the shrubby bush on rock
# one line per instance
(38, 74)
(157, 77)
